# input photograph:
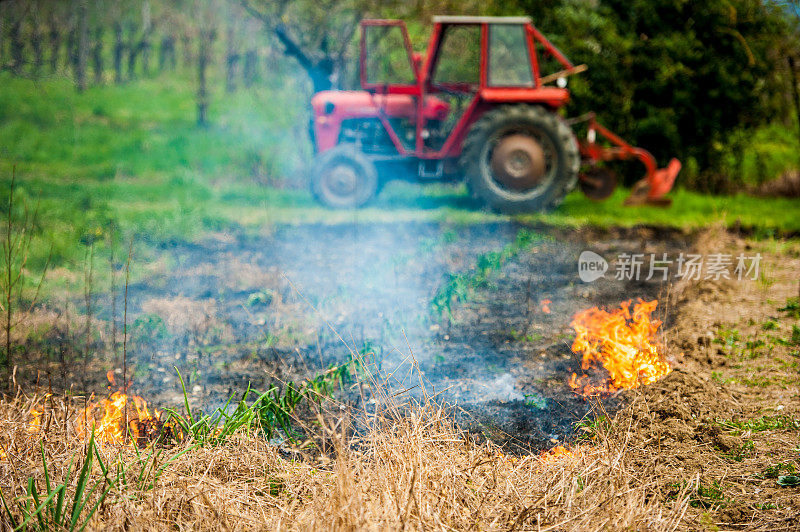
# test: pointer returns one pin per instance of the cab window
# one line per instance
(459, 60)
(509, 61)
(387, 60)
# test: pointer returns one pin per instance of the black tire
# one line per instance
(553, 136)
(344, 178)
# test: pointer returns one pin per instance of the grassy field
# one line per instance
(128, 162)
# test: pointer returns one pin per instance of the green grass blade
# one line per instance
(7, 509)
(185, 396)
(60, 501)
(81, 485)
(84, 500)
(94, 508)
(44, 463)
(103, 467)
(33, 492)
(37, 510)
(46, 475)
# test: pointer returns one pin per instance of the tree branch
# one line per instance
(291, 47)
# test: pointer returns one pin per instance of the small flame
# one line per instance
(112, 415)
(545, 304)
(623, 342)
(36, 422)
(556, 453)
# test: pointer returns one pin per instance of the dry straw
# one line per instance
(402, 464)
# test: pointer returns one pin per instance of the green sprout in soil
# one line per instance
(745, 450)
(271, 411)
(775, 471)
(535, 400)
(792, 307)
(761, 424)
(458, 287)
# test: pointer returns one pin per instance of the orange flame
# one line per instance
(556, 453)
(120, 413)
(36, 423)
(545, 304)
(623, 342)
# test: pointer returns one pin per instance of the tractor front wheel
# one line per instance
(520, 158)
(343, 178)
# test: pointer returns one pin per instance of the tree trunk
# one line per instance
(133, 52)
(321, 74)
(231, 59)
(203, 58)
(144, 42)
(55, 45)
(17, 47)
(795, 92)
(36, 45)
(231, 69)
(97, 56)
(83, 46)
(166, 54)
(144, 49)
(251, 73)
(320, 71)
(119, 49)
(2, 42)
(186, 43)
(71, 58)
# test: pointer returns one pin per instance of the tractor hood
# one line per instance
(341, 105)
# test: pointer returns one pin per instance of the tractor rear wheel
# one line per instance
(344, 178)
(520, 158)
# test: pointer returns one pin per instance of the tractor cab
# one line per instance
(479, 104)
(421, 105)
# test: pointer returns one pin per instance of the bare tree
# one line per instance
(17, 46)
(207, 37)
(250, 68)
(166, 53)
(36, 44)
(54, 40)
(145, 40)
(232, 56)
(119, 50)
(82, 43)
(133, 50)
(97, 55)
(316, 34)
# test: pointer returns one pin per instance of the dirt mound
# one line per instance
(678, 413)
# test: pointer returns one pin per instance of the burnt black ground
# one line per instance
(502, 360)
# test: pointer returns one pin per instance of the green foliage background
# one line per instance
(707, 82)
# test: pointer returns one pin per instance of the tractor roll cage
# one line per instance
(549, 96)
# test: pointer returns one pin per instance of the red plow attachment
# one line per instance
(599, 183)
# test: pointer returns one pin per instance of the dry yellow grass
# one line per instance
(407, 468)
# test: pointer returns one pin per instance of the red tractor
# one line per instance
(477, 105)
